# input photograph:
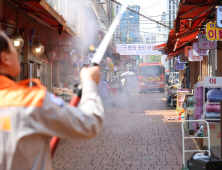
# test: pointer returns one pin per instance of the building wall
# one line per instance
(171, 11)
(129, 26)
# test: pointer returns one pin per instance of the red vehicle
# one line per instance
(151, 77)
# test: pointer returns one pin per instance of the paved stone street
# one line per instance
(135, 135)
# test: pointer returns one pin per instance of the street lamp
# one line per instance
(18, 41)
(38, 48)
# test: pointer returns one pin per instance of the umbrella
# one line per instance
(128, 73)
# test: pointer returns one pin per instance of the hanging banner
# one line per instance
(213, 32)
(204, 44)
(219, 17)
(186, 50)
(197, 51)
(193, 57)
(182, 58)
(136, 49)
(117, 32)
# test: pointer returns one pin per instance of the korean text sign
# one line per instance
(219, 16)
(193, 57)
(197, 51)
(205, 44)
(137, 49)
(213, 32)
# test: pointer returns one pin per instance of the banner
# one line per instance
(136, 49)
(204, 44)
(213, 32)
(117, 32)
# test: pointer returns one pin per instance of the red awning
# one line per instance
(159, 47)
(172, 55)
(45, 15)
(190, 18)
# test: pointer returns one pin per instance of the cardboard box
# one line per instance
(215, 134)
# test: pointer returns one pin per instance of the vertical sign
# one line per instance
(117, 32)
(204, 44)
(219, 17)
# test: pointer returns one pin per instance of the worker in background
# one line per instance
(104, 90)
(29, 116)
(183, 84)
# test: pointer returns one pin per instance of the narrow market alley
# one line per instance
(135, 135)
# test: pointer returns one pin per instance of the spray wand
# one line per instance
(96, 61)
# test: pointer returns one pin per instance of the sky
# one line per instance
(150, 8)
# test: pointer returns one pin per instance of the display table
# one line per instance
(66, 98)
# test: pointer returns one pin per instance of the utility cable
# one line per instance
(143, 15)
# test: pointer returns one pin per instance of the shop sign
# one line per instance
(85, 59)
(182, 58)
(90, 57)
(219, 17)
(193, 57)
(205, 44)
(197, 51)
(213, 81)
(187, 49)
(179, 66)
(107, 68)
(111, 66)
(115, 68)
(213, 32)
(137, 49)
(109, 59)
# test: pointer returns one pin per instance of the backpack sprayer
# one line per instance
(96, 60)
(200, 161)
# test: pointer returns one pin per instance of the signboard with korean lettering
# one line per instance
(117, 32)
(136, 49)
(205, 44)
(90, 57)
(182, 58)
(219, 17)
(109, 59)
(213, 81)
(197, 51)
(193, 57)
(213, 32)
(115, 68)
(187, 49)
(179, 66)
(85, 59)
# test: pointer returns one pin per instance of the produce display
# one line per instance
(62, 91)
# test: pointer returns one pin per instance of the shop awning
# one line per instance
(190, 18)
(46, 15)
(172, 55)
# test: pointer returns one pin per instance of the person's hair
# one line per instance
(4, 46)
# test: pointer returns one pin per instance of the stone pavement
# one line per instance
(135, 136)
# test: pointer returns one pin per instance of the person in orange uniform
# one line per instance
(29, 116)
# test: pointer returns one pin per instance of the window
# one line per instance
(150, 71)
